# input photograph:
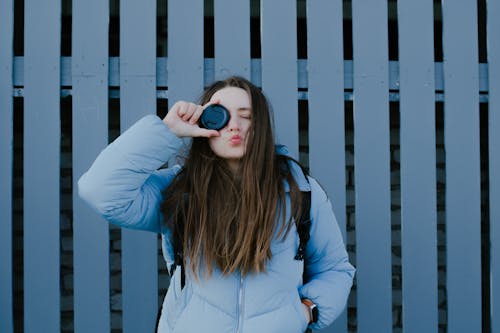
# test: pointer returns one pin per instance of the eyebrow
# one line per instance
(244, 109)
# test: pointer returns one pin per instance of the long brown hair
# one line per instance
(229, 219)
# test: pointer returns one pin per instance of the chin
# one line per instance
(229, 152)
(232, 156)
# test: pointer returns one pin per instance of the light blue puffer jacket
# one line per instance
(125, 186)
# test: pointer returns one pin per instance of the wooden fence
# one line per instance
(325, 80)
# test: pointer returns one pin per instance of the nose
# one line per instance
(233, 125)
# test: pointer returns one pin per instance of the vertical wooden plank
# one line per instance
(463, 188)
(42, 136)
(418, 166)
(138, 98)
(372, 165)
(326, 109)
(6, 158)
(185, 50)
(493, 27)
(232, 38)
(90, 136)
(279, 68)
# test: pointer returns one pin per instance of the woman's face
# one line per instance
(232, 142)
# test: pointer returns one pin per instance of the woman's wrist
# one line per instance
(312, 310)
(306, 311)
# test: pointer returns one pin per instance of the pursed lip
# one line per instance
(235, 139)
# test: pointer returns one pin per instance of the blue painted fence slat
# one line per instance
(279, 68)
(232, 38)
(493, 27)
(326, 109)
(6, 164)
(185, 50)
(463, 189)
(42, 136)
(372, 166)
(418, 166)
(90, 136)
(138, 98)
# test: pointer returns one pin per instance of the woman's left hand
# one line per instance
(306, 310)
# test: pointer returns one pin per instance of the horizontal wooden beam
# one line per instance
(162, 78)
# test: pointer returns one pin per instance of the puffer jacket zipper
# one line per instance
(239, 313)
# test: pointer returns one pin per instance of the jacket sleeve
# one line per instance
(329, 274)
(124, 184)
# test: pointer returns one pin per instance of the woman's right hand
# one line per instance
(182, 119)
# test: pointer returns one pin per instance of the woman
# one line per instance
(232, 207)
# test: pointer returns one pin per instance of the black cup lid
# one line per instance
(214, 117)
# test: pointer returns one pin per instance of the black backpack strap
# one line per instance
(304, 225)
(178, 258)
